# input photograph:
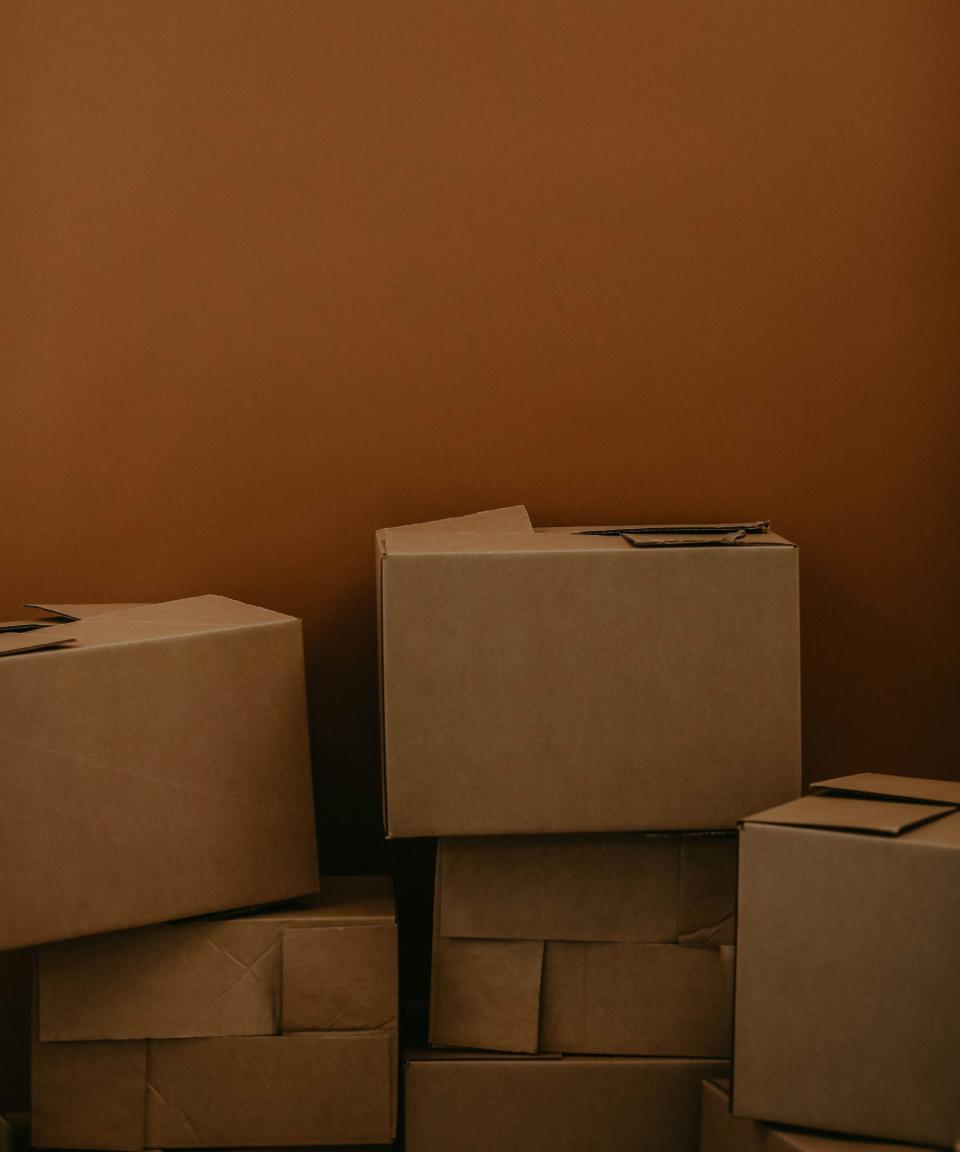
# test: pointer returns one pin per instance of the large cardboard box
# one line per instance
(585, 679)
(720, 1131)
(155, 765)
(615, 944)
(541, 1104)
(848, 955)
(278, 1028)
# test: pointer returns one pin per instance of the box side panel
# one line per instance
(269, 1091)
(207, 978)
(543, 1105)
(722, 1132)
(617, 887)
(848, 950)
(637, 999)
(708, 890)
(340, 978)
(118, 760)
(486, 994)
(507, 679)
(89, 1095)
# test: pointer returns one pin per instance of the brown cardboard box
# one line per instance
(275, 1028)
(561, 680)
(721, 1131)
(541, 1104)
(614, 944)
(155, 765)
(848, 954)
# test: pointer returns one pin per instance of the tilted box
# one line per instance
(155, 765)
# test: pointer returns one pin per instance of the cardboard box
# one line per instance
(155, 765)
(277, 1028)
(848, 954)
(720, 1131)
(615, 944)
(541, 1104)
(585, 680)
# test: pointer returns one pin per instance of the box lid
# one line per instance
(132, 624)
(842, 814)
(510, 530)
(881, 786)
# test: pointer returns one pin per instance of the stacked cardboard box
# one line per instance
(156, 767)
(577, 713)
(848, 955)
(273, 1028)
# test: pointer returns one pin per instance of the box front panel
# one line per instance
(589, 691)
(270, 1091)
(89, 1095)
(207, 978)
(545, 1105)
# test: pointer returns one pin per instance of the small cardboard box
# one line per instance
(155, 765)
(848, 954)
(613, 944)
(541, 1104)
(277, 1028)
(720, 1131)
(585, 679)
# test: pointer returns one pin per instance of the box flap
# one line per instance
(880, 786)
(881, 817)
(69, 612)
(624, 999)
(57, 636)
(486, 994)
(513, 519)
(202, 978)
(340, 979)
(727, 527)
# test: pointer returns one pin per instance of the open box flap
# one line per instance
(70, 612)
(880, 786)
(143, 622)
(512, 519)
(35, 640)
(851, 814)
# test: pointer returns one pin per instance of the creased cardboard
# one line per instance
(567, 680)
(323, 957)
(617, 944)
(155, 767)
(847, 1017)
(541, 1105)
(720, 1131)
(303, 998)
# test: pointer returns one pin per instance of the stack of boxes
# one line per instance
(156, 767)
(581, 716)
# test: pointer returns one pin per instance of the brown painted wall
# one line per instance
(284, 271)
